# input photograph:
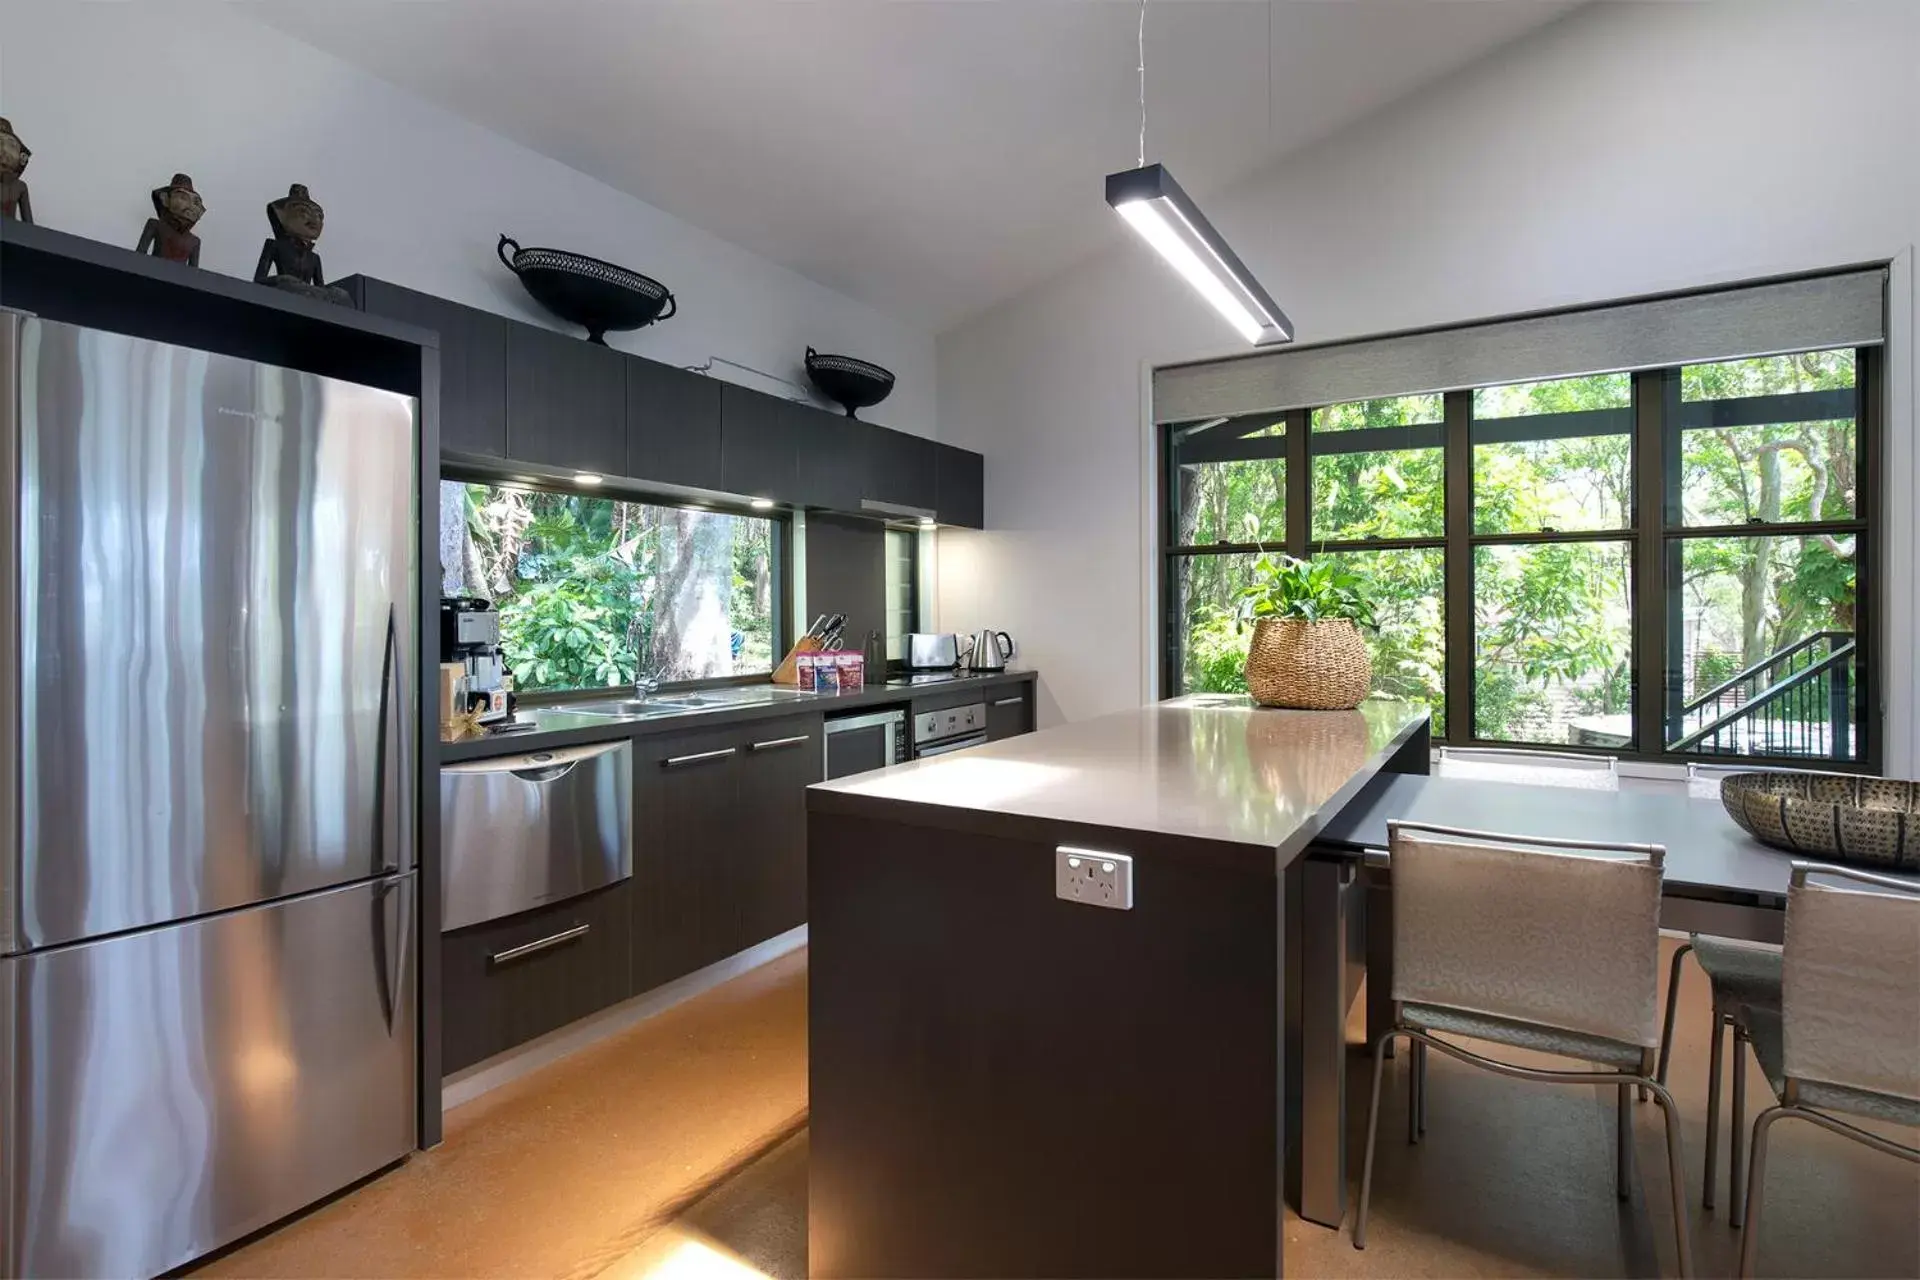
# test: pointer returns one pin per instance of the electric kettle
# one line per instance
(991, 649)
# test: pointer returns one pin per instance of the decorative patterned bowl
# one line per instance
(586, 291)
(1875, 821)
(853, 384)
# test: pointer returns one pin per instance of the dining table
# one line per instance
(1717, 880)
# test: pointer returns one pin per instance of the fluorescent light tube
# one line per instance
(1154, 205)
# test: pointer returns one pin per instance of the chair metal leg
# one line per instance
(1423, 1090)
(1380, 1048)
(1413, 1093)
(1673, 1004)
(1737, 1134)
(1714, 1062)
(1756, 1178)
(1623, 1179)
(1416, 1092)
(1676, 1180)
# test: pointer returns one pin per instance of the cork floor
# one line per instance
(677, 1151)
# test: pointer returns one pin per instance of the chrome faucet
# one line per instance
(644, 684)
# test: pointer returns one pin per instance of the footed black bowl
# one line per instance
(586, 291)
(853, 384)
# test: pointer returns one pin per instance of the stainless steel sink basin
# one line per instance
(673, 704)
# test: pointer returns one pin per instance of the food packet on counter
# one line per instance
(853, 667)
(826, 673)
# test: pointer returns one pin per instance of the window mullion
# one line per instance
(1656, 499)
(1299, 481)
(1458, 527)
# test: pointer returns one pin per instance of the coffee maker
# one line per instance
(470, 636)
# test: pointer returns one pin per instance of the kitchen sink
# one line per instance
(674, 704)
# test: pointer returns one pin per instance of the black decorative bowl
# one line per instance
(1875, 821)
(853, 384)
(586, 291)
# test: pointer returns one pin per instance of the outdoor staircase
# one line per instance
(1795, 703)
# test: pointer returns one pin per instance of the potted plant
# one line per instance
(1307, 650)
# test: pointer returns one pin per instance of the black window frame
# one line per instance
(780, 567)
(1655, 532)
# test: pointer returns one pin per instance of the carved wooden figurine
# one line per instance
(288, 261)
(169, 232)
(14, 155)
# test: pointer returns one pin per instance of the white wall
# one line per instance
(114, 98)
(1628, 149)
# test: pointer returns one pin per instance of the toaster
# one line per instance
(927, 651)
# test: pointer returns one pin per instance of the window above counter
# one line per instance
(593, 591)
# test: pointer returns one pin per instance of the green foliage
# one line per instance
(576, 579)
(1321, 590)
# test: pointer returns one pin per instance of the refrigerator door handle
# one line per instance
(11, 360)
(393, 808)
(392, 943)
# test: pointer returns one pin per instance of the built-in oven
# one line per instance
(939, 733)
(858, 743)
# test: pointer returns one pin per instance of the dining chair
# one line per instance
(1847, 1035)
(1741, 977)
(1530, 768)
(1544, 945)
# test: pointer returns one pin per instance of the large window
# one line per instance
(594, 591)
(1668, 562)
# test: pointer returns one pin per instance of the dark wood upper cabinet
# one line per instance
(473, 362)
(961, 485)
(566, 402)
(673, 425)
(832, 459)
(902, 470)
(758, 444)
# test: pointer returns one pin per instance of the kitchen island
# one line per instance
(1008, 1082)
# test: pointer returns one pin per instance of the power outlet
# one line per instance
(1095, 878)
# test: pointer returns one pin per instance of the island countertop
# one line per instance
(1206, 767)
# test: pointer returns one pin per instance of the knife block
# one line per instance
(788, 672)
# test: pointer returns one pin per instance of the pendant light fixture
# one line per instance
(1166, 218)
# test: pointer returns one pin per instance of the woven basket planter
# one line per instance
(1318, 666)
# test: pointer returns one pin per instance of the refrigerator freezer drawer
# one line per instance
(518, 832)
(175, 1089)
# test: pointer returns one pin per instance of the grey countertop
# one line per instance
(737, 704)
(1707, 855)
(1208, 767)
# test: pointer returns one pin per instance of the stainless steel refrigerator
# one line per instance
(207, 790)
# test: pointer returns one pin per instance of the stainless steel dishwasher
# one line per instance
(520, 831)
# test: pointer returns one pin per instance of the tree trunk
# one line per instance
(692, 632)
(1756, 570)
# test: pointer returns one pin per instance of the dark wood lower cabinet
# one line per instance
(719, 842)
(1009, 711)
(506, 981)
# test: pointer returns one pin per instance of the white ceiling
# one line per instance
(929, 158)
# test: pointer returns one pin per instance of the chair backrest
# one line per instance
(1530, 768)
(1850, 1003)
(1560, 933)
(1703, 780)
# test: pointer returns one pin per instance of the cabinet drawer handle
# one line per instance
(675, 762)
(1009, 702)
(778, 743)
(542, 944)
